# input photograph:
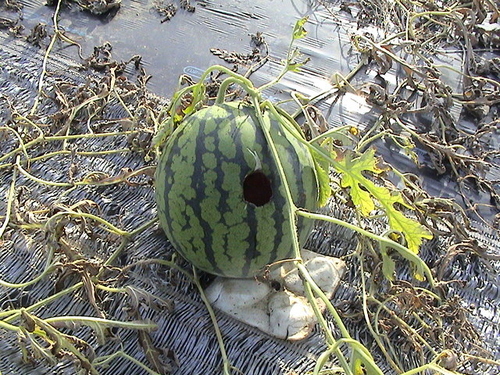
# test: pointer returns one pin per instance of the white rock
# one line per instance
(244, 299)
(290, 317)
(286, 313)
(324, 270)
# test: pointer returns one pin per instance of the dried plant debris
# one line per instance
(169, 9)
(186, 5)
(237, 58)
(12, 5)
(80, 239)
(253, 60)
(405, 306)
(69, 143)
(162, 360)
(101, 60)
(11, 17)
(422, 110)
(12, 25)
(38, 35)
(166, 10)
(456, 126)
(97, 7)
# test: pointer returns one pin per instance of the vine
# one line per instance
(354, 175)
(405, 233)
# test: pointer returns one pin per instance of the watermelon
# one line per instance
(221, 201)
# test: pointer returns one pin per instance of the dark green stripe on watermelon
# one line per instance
(200, 191)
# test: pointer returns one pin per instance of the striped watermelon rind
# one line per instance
(201, 197)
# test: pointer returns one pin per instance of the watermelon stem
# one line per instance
(255, 192)
(226, 364)
(308, 282)
(333, 345)
(384, 241)
(243, 82)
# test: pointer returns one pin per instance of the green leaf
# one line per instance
(388, 264)
(323, 178)
(352, 169)
(298, 31)
(293, 63)
(366, 196)
(322, 170)
(295, 66)
(362, 362)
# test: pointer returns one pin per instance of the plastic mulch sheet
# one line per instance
(78, 235)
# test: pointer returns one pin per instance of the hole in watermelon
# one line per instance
(257, 188)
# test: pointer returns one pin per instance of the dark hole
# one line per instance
(257, 188)
(275, 285)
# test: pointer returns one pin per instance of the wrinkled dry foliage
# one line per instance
(457, 129)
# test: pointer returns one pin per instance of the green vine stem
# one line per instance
(10, 200)
(22, 147)
(104, 360)
(194, 279)
(42, 139)
(83, 215)
(89, 321)
(359, 352)
(393, 360)
(307, 280)
(385, 241)
(10, 315)
(226, 364)
(49, 155)
(47, 270)
(57, 34)
(359, 356)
